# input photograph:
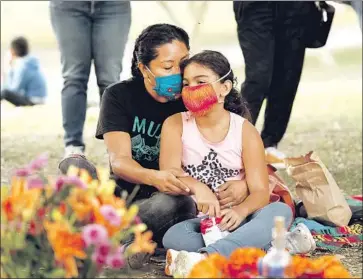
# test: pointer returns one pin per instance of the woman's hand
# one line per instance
(167, 181)
(207, 201)
(231, 219)
(232, 193)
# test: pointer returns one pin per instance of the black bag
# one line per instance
(319, 23)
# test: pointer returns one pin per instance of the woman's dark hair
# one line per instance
(150, 39)
(219, 64)
(20, 46)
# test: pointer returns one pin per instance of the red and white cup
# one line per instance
(210, 230)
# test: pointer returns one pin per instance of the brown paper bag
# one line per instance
(316, 187)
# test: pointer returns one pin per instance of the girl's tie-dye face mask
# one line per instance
(201, 98)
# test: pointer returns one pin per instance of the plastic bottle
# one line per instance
(274, 264)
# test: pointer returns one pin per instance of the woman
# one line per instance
(130, 120)
(214, 144)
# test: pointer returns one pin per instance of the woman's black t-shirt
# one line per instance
(127, 107)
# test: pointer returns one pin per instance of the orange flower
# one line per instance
(101, 220)
(66, 246)
(243, 260)
(326, 266)
(337, 271)
(21, 202)
(116, 202)
(297, 267)
(81, 203)
(143, 243)
(211, 267)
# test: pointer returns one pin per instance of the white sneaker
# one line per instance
(73, 150)
(300, 240)
(170, 260)
(180, 264)
(275, 157)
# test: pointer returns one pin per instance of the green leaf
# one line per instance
(56, 273)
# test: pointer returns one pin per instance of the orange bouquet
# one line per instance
(243, 264)
(71, 227)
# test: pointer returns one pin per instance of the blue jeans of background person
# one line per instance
(357, 6)
(86, 31)
(254, 231)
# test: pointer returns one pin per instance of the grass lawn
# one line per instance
(327, 118)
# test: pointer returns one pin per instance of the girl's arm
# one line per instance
(253, 156)
(171, 149)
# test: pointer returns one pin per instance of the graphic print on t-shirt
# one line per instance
(211, 171)
(145, 132)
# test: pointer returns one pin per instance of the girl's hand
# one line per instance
(207, 201)
(231, 219)
(232, 193)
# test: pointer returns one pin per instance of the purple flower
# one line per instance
(23, 172)
(110, 214)
(35, 183)
(94, 234)
(138, 220)
(59, 183)
(40, 162)
(75, 181)
(116, 259)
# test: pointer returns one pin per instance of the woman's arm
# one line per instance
(113, 126)
(171, 149)
(119, 150)
(253, 155)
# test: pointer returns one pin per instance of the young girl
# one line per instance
(213, 143)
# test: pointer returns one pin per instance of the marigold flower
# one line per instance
(211, 267)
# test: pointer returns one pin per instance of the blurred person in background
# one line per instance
(24, 83)
(357, 7)
(86, 31)
(271, 35)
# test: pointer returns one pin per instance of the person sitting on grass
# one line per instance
(24, 83)
(214, 143)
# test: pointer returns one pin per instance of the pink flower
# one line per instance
(40, 162)
(59, 183)
(69, 180)
(35, 183)
(137, 220)
(103, 249)
(110, 214)
(116, 259)
(98, 259)
(94, 234)
(23, 172)
(75, 181)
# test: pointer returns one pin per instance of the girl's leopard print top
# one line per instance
(213, 163)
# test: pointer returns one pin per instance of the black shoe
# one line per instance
(78, 161)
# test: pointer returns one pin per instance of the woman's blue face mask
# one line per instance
(168, 87)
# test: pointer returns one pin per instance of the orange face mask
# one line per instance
(200, 99)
